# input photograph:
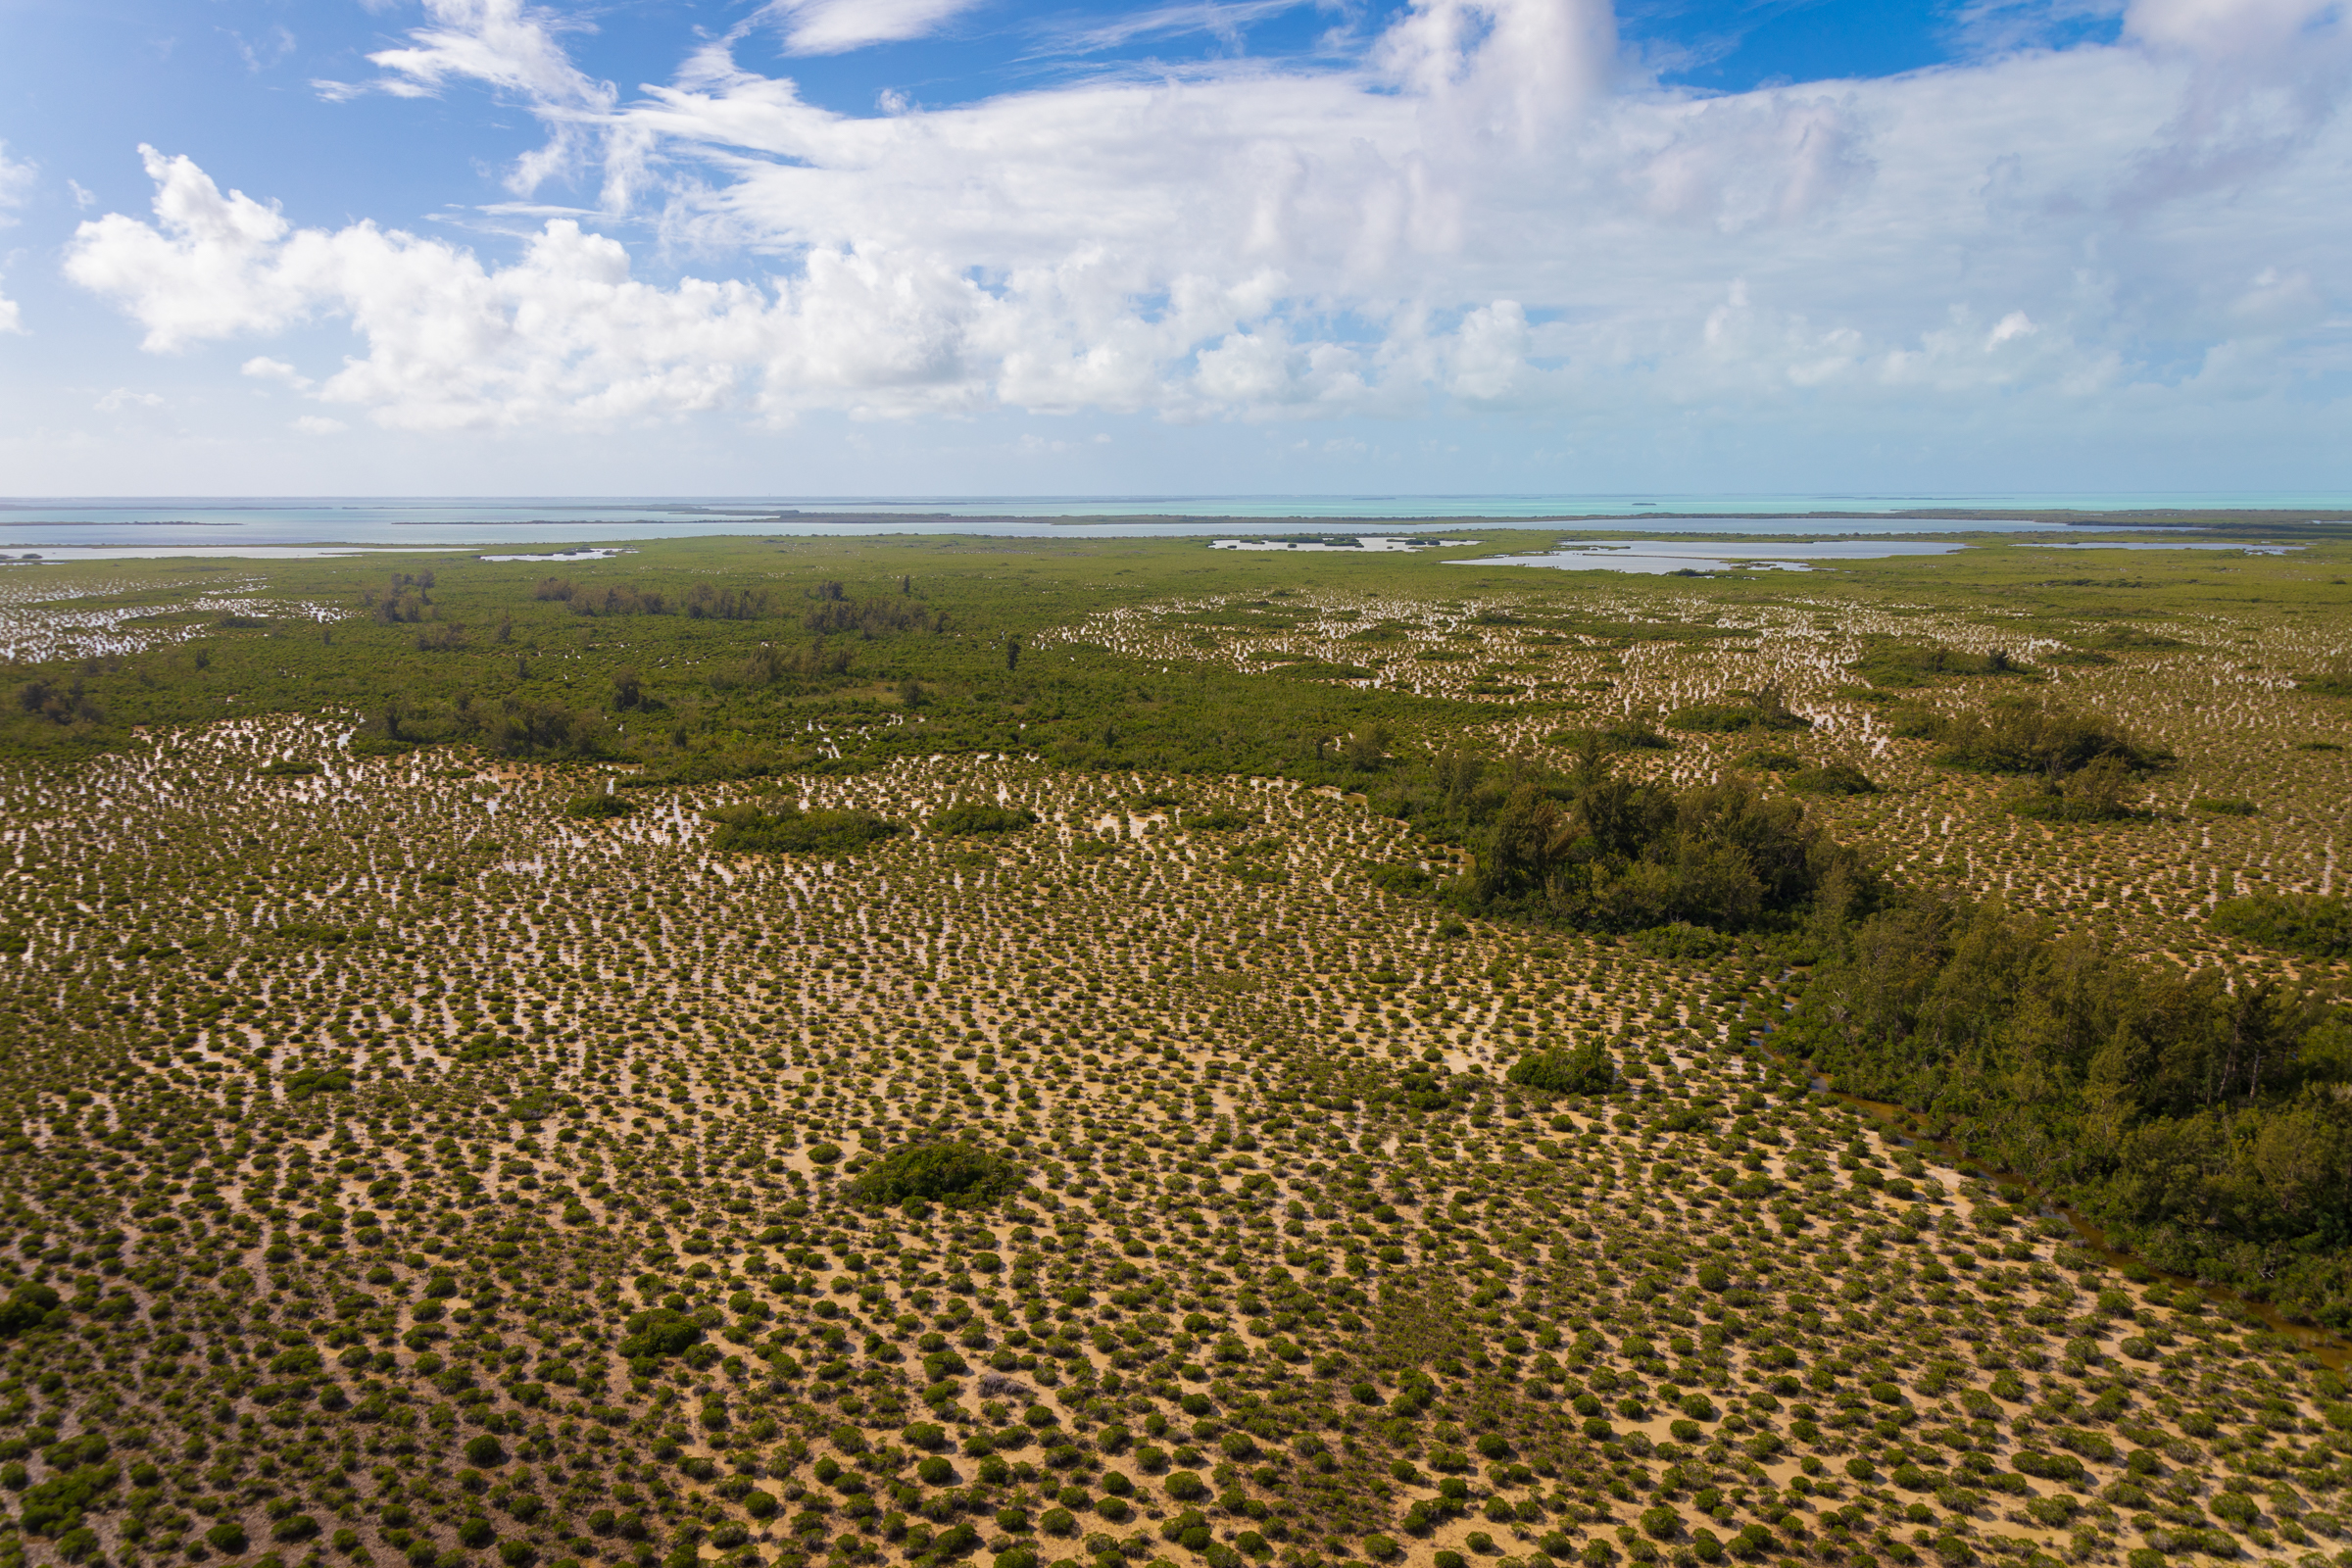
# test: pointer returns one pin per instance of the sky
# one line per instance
(1004, 247)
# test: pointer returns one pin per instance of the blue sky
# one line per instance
(974, 246)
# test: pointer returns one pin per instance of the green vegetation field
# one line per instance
(1065, 1054)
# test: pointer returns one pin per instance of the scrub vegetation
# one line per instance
(1066, 1055)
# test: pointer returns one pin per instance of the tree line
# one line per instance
(2206, 1122)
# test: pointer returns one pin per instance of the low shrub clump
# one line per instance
(968, 819)
(1749, 711)
(956, 1174)
(789, 830)
(2299, 922)
(1832, 778)
(1587, 1069)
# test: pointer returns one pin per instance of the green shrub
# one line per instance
(660, 1331)
(59, 1502)
(969, 818)
(2223, 805)
(28, 1307)
(1832, 778)
(289, 769)
(1682, 942)
(2056, 806)
(484, 1452)
(1757, 711)
(788, 830)
(1630, 734)
(317, 1081)
(952, 1173)
(2027, 735)
(1903, 665)
(1588, 1070)
(2298, 922)
(596, 808)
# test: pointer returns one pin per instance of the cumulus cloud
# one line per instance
(1478, 214)
(12, 316)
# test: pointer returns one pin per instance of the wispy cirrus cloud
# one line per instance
(835, 26)
(1227, 19)
(510, 47)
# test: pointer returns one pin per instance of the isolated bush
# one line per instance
(660, 1331)
(953, 1173)
(1749, 711)
(27, 1307)
(789, 830)
(1588, 1070)
(1907, 664)
(966, 818)
(1832, 778)
(2025, 734)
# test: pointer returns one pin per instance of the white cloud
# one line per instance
(1227, 19)
(2227, 28)
(17, 177)
(503, 44)
(1998, 26)
(262, 368)
(834, 26)
(318, 424)
(122, 397)
(270, 49)
(1478, 215)
(513, 48)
